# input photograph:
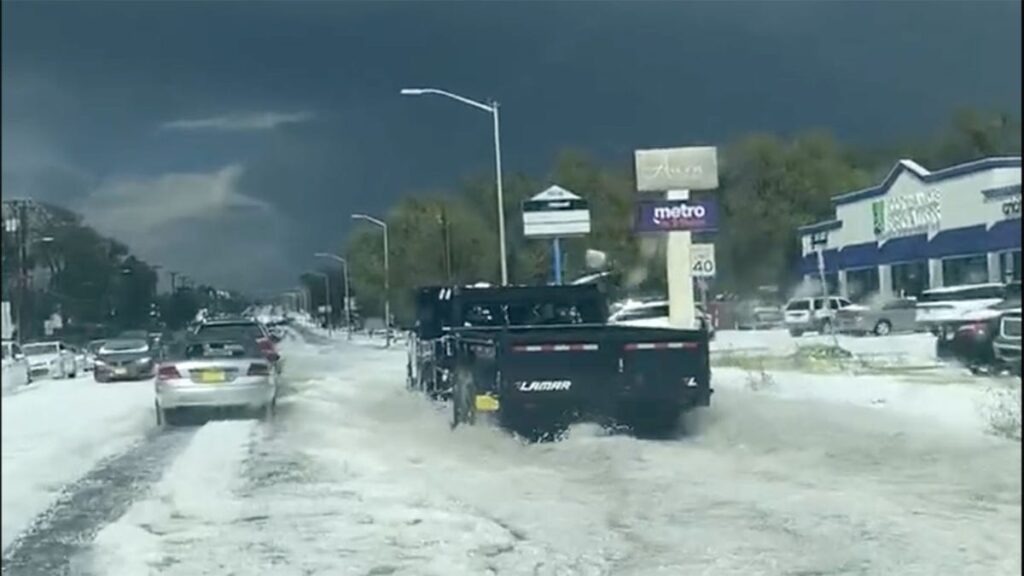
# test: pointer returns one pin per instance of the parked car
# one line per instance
(50, 360)
(118, 359)
(654, 314)
(82, 363)
(878, 318)
(757, 315)
(16, 370)
(941, 307)
(1007, 341)
(214, 373)
(813, 314)
(970, 337)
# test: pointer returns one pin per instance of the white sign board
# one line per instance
(702, 261)
(664, 169)
(555, 213)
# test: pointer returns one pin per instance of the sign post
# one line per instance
(556, 213)
(703, 267)
(677, 171)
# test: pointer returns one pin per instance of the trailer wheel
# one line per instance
(463, 398)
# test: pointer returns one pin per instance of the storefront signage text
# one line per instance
(1011, 208)
(907, 214)
(676, 215)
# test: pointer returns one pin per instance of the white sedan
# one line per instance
(50, 360)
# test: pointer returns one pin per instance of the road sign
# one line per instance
(702, 261)
(555, 212)
(676, 215)
(663, 169)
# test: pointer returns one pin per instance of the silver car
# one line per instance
(880, 318)
(214, 374)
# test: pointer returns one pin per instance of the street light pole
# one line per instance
(492, 109)
(387, 273)
(327, 298)
(348, 299)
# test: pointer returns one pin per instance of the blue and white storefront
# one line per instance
(920, 229)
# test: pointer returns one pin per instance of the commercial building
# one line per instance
(919, 229)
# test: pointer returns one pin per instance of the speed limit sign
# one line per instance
(702, 260)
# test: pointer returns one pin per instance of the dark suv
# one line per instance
(241, 329)
(1007, 340)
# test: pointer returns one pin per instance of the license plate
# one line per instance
(120, 371)
(211, 376)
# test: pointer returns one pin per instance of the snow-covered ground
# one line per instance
(786, 473)
(54, 431)
(358, 477)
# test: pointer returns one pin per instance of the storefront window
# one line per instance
(862, 283)
(968, 270)
(909, 278)
(1009, 263)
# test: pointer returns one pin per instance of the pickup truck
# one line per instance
(536, 359)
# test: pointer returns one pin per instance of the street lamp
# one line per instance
(492, 109)
(327, 298)
(387, 273)
(344, 272)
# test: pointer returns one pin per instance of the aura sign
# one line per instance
(676, 215)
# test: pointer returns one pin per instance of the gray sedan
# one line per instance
(880, 319)
(123, 360)
(214, 374)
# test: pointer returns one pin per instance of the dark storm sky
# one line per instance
(231, 140)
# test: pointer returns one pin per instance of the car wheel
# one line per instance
(795, 333)
(883, 328)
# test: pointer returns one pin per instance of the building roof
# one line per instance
(926, 176)
(923, 175)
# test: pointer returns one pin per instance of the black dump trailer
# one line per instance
(537, 359)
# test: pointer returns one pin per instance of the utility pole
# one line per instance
(447, 242)
(22, 232)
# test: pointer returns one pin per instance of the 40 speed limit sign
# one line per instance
(702, 260)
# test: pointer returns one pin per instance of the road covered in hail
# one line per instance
(355, 476)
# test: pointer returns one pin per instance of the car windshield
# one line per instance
(239, 331)
(40, 349)
(121, 346)
(213, 349)
(798, 305)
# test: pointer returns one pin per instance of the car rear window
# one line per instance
(798, 305)
(231, 332)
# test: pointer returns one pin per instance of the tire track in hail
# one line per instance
(66, 529)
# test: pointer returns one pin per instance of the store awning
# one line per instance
(809, 263)
(859, 256)
(1004, 235)
(905, 249)
(959, 242)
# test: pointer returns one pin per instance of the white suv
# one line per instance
(812, 314)
(953, 305)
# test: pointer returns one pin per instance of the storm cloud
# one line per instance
(256, 128)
